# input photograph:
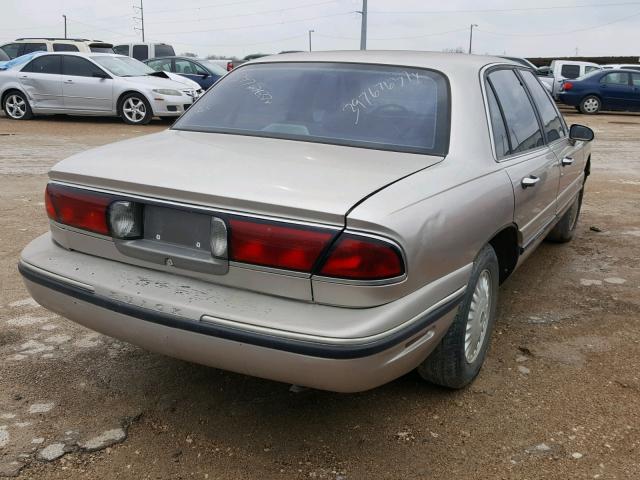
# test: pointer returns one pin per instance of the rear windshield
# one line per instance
(383, 107)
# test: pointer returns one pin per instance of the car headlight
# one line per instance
(167, 91)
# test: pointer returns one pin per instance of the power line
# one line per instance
(434, 34)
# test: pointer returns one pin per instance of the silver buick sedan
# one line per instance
(331, 220)
(93, 84)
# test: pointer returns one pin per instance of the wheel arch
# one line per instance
(122, 95)
(505, 243)
(6, 92)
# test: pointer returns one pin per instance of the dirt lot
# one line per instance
(559, 397)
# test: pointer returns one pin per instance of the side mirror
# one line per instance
(580, 132)
(204, 75)
(100, 75)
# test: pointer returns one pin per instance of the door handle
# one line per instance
(566, 161)
(24, 76)
(530, 181)
(69, 81)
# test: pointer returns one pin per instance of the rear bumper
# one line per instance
(329, 363)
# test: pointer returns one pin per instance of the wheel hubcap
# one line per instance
(134, 109)
(478, 318)
(591, 105)
(15, 106)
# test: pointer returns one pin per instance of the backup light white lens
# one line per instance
(125, 219)
(218, 238)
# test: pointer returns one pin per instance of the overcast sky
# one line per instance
(240, 27)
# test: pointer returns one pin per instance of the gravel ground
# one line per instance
(558, 398)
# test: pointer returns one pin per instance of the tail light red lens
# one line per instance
(277, 245)
(229, 66)
(567, 86)
(363, 258)
(78, 208)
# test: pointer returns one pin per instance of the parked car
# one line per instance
(327, 219)
(603, 90)
(91, 84)
(22, 46)
(202, 71)
(569, 70)
(143, 51)
(624, 66)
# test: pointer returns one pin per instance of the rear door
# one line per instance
(82, 90)
(42, 81)
(532, 166)
(616, 91)
(569, 154)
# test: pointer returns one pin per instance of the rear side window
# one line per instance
(45, 64)
(64, 47)
(163, 65)
(570, 71)
(635, 79)
(121, 50)
(500, 138)
(522, 123)
(12, 50)
(79, 67)
(616, 78)
(33, 47)
(140, 52)
(551, 122)
(162, 50)
(383, 107)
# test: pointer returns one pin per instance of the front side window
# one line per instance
(522, 123)
(186, 67)
(79, 67)
(12, 50)
(140, 52)
(616, 78)
(551, 122)
(44, 64)
(383, 107)
(570, 71)
(64, 47)
(33, 47)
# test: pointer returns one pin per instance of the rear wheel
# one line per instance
(590, 105)
(135, 109)
(456, 361)
(565, 228)
(16, 106)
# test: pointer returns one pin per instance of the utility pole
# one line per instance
(471, 37)
(310, 32)
(65, 25)
(141, 18)
(363, 28)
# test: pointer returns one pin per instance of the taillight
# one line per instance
(277, 245)
(567, 86)
(362, 258)
(78, 208)
(229, 66)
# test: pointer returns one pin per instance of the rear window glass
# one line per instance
(64, 47)
(570, 71)
(382, 107)
(140, 52)
(162, 50)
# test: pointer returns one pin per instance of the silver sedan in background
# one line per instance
(93, 84)
(332, 220)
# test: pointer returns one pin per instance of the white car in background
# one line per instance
(23, 46)
(144, 50)
(623, 66)
(93, 84)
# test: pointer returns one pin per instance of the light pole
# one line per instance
(65, 25)
(471, 36)
(310, 32)
(363, 26)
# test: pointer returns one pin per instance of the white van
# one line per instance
(144, 50)
(568, 70)
(22, 46)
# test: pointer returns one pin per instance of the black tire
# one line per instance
(566, 227)
(590, 105)
(16, 106)
(142, 109)
(448, 365)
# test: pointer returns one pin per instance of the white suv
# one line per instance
(22, 46)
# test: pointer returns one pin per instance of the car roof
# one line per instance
(86, 54)
(418, 59)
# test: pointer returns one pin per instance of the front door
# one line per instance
(83, 88)
(42, 82)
